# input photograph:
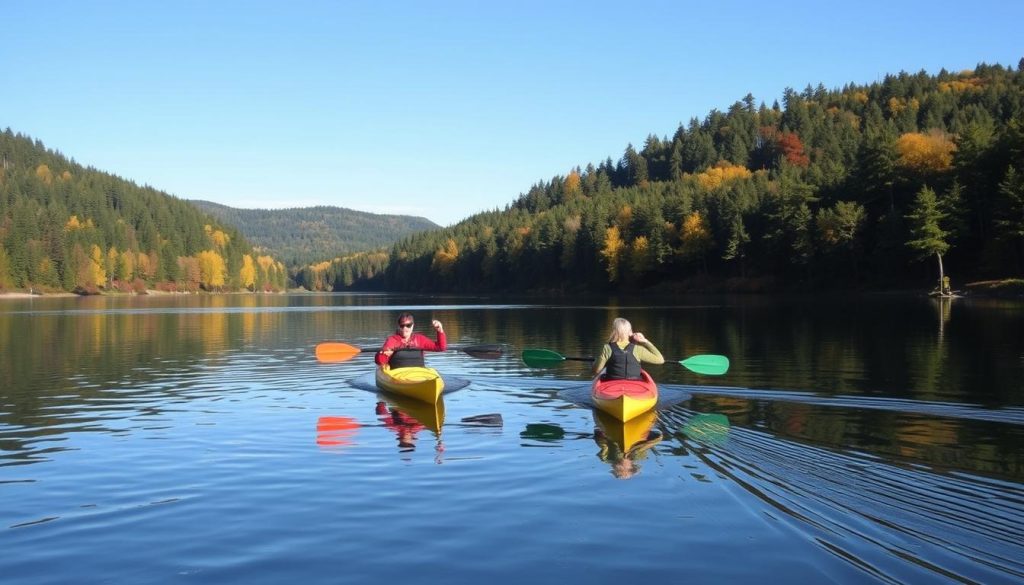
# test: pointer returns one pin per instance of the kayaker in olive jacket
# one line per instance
(405, 348)
(624, 353)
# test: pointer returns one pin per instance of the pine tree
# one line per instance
(927, 236)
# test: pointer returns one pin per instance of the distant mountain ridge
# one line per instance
(305, 235)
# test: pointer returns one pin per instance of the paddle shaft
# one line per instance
(708, 364)
(336, 351)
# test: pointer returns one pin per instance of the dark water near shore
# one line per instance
(197, 440)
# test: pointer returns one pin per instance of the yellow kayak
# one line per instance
(420, 383)
(625, 399)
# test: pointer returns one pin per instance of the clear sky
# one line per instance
(439, 109)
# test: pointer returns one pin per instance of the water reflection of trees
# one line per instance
(966, 352)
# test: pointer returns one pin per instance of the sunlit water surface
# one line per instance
(198, 440)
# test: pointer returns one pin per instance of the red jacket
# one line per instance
(416, 341)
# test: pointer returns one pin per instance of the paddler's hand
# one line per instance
(388, 352)
(639, 338)
(437, 325)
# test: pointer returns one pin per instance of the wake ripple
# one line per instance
(1009, 415)
(915, 525)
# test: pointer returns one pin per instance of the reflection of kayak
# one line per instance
(428, 414)
(625, 399)
(626, 435)
(420, 383)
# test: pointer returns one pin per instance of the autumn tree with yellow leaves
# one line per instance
(212, 270)
(926, 153)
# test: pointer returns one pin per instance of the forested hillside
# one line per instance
(305, 235)
(868, 185)
(68, 227)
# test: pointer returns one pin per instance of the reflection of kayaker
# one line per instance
(405, 426)
(623, 444)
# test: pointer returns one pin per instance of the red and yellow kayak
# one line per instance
(423, 384)
(625, 399)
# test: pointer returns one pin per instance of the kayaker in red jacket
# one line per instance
(624, 353)
(405, 348)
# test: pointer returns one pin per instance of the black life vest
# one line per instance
(405, 358)
(623, 365)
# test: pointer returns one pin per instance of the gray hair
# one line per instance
(621, 330)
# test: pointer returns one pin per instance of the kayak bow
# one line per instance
(423, 384)
(625, 399)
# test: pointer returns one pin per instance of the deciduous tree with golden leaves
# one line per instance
(612, 252)
(926, 153)
(212, 269)
(247, 274)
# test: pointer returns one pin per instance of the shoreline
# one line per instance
(1009, 288)
(149, 293)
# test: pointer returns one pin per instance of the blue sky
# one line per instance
(439, 109)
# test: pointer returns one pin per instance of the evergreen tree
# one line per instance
(927, 236)
(1010, 224)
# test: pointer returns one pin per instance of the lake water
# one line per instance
(198, 440)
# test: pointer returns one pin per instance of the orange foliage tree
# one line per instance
(721, 173)
(572, 186)
(926, 153)
(445, 257)
(212, 269)
(695, 237)
(247, 274)
(218, 237)
(792, 149)
(191, 275)
(98, 276)
(612, 252)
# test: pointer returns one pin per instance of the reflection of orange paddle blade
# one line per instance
(334, 351)
(335, 431)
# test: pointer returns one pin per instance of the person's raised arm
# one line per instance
(645, 350)
(440, 344)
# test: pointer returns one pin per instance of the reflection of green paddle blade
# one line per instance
(541, 358)
(707, 364)
(543, 432)
(709, 428)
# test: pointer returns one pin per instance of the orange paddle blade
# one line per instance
(333, 351)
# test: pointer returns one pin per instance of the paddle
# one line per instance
(707, 364)
(336, 351)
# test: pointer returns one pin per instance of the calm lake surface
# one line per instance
(198, 440)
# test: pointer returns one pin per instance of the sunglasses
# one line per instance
(404, 325)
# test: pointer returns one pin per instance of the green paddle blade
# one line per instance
(541, 358)
(707, 364)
